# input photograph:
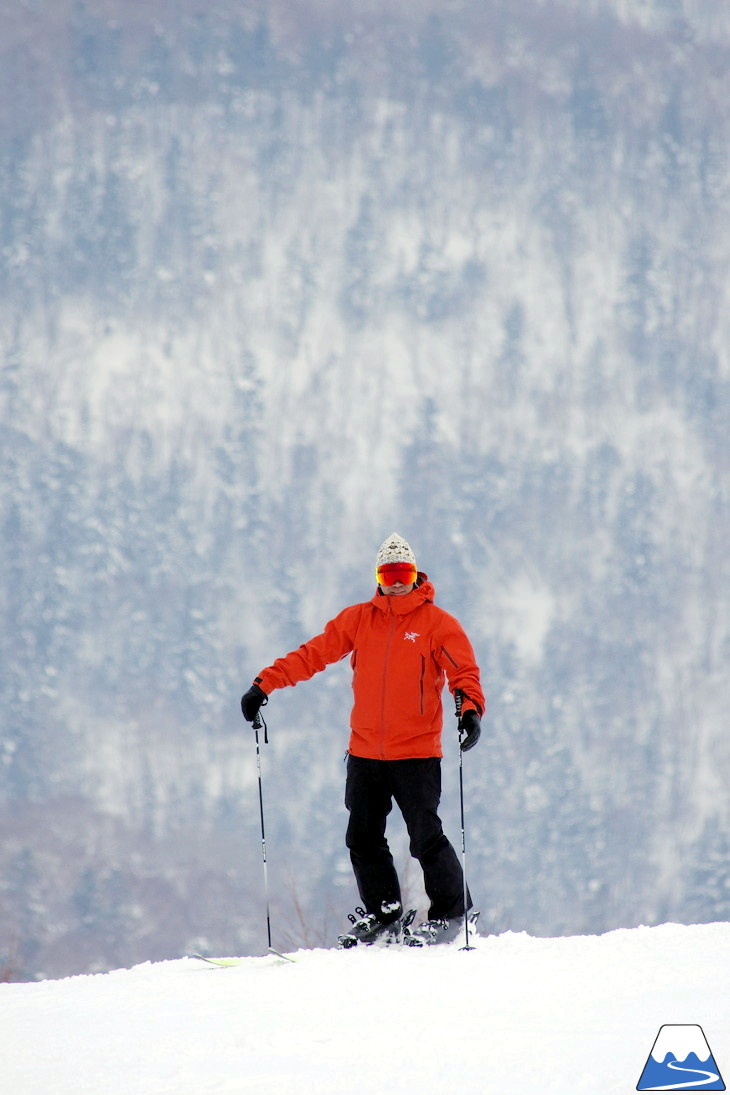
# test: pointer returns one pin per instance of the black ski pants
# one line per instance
(416, 787)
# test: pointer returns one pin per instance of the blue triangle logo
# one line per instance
(680, 1060)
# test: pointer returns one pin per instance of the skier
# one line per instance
(402, 648)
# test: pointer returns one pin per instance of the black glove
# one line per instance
(471, 727)
(251, 702)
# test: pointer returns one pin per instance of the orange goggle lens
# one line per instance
(396, 572)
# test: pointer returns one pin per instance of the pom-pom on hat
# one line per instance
(394, 550)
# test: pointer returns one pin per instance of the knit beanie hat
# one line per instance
(394, 550)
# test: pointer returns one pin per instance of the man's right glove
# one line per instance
(251, 702)
(471, 728)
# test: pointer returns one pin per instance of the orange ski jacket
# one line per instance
(402, 651)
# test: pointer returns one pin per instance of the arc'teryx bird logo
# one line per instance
(412, 635)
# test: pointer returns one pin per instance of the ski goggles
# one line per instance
(390, 573)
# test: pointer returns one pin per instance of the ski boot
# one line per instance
(367, 928)
(431, 932)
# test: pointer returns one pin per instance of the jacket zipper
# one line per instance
(446, 653)
(389, 644)
(420, 683)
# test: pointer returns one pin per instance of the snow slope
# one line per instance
(517, 1014)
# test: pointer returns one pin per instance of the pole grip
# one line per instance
(458, 701)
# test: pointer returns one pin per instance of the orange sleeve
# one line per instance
(311, 657)
(456, 657)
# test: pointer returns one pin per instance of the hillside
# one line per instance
(517, 1014)
(276, 280)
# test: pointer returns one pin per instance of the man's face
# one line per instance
(397, 590)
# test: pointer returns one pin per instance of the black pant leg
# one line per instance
(416, 786)
(368, 800)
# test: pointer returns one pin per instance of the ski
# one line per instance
(224, 963)
(217, 961)
(396, 939)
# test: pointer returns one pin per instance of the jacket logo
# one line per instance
(412, 635)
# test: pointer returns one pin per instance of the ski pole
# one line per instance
(458, 699)
(259, 724)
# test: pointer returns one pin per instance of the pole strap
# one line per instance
(259, 723)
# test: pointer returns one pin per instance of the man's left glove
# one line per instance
(251, 702)
(470, 727)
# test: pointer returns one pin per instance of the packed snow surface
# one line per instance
(516, 1014)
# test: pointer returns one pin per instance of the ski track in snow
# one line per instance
(516, 1014)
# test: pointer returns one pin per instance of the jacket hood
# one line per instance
(403, 605)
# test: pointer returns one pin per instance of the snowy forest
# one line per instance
(277, 279)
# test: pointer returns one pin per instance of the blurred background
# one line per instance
(278, 277)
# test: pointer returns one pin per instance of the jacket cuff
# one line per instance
(260, 684)
(471, 705)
